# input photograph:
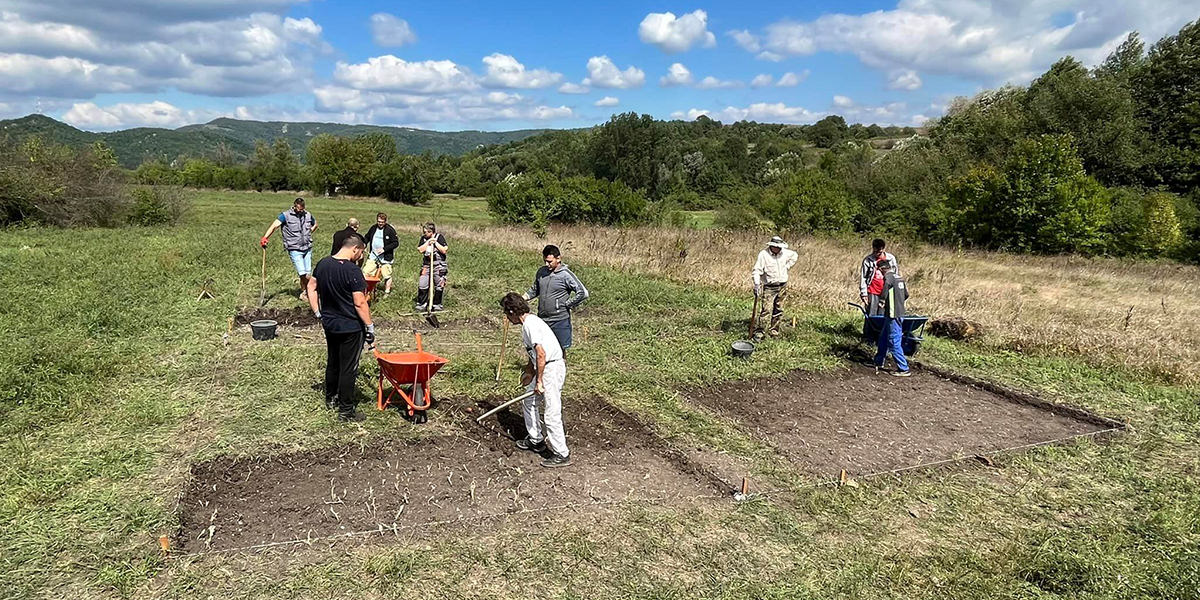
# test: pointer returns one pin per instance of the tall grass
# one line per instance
(1111, 312)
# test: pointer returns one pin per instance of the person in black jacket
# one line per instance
(381, 247)
(339, 236)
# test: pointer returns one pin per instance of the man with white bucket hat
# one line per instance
(770, 277)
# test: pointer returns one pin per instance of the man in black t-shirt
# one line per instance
(337, 293)
(433, 248)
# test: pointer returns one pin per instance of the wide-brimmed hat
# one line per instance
(777, 242)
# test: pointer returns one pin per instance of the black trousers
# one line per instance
(342, 351)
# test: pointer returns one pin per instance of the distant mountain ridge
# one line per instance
(237, 137)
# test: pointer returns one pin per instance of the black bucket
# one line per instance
(263, 330)
(742, 349)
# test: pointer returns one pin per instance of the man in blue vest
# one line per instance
(297, 226)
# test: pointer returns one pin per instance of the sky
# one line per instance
(112, 64)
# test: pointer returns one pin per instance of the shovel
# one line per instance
(489, 413)
(429, 316)
(262, 295)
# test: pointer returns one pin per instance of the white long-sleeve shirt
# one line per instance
(772, 267)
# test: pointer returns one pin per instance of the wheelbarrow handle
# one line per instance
(489, 413)
(858, 306)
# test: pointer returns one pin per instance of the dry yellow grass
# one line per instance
(1113, 312)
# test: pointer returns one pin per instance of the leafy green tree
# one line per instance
(1041, 201)
(1167, 89)
(401, 180)
(156, 172)
(1098, 113)
(828, 131)
(810, 201)
(1123, 63)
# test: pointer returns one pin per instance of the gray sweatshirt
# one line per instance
(558, 292)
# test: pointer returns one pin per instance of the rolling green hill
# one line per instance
(235, 138)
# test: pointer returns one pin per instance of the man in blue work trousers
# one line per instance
(891, 304)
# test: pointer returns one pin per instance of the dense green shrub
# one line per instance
(738, 217)
(158, 205)
(810, 201)
(401, 180)
(541, 198)
(1040, 201)
(59, 185)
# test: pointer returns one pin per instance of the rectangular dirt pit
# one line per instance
(474, 477)
(867, 423)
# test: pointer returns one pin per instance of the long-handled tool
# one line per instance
(754, 315)
(262, 295)
(429, 316)
(489, 413)
(503, 347)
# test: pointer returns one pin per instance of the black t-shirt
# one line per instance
(438, 255)
(337, 280)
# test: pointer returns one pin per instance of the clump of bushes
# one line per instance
(540, 198)
(54, 184)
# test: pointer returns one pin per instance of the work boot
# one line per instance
(556, 461)
(902, 374)
(530, 445)
(351, 417)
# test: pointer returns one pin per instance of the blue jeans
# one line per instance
(302, 260)
(890, 337)
(562, 331)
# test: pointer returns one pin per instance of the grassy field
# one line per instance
(114, 379)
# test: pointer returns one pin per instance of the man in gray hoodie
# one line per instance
(558, 291)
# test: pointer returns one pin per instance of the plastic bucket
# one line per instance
(742, 349)
(263, 330)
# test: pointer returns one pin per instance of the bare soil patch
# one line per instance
(471, 474)
(289, 317)
(865, 423)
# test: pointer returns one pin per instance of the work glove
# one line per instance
(317, 314)
(263, 241)
(757, 290)
(370, 337)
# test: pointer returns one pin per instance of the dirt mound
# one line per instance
(955, 328)
(867, 423)
(289, 317)
(469, 476)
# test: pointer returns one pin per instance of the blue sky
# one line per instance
(111, 64)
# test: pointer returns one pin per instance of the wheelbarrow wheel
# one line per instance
(420, 418)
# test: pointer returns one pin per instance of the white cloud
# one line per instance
(777, 112)
(904, 79)
(504, 71)
(247, 55)
(425, 109)
(573, 88)
(119, 116)
(677, 74)
(989, 42)
(761, 80)
(791, 79)
(843, 101)
(603, 73)
(768, 55)
(608, 101)
(391, 31)
(504, 98)
(673, 34)
(392, 74)
(712, 83)
(748, 41)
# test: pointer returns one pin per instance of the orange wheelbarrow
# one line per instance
(372, 281)
(402, 369)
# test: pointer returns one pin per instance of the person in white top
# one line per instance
(770, 277)
(544, 375)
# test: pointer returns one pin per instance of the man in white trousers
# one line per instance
(545, 376)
